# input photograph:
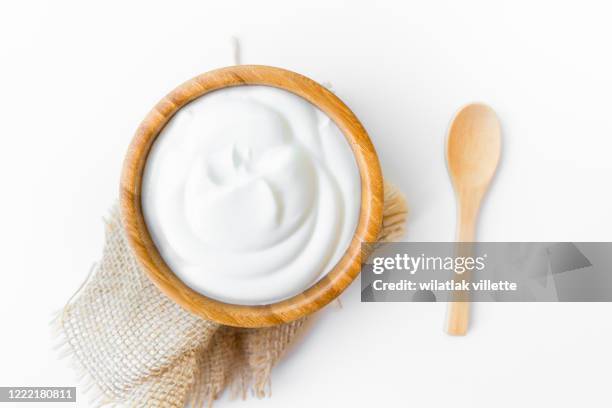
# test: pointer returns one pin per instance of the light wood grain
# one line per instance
(315, 297)
(472, 152)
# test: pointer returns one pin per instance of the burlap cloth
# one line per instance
(137, 348)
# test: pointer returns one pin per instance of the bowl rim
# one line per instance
(317, 295)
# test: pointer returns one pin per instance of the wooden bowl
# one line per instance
(319, 294)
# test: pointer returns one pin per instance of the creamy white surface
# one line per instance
(251, 194)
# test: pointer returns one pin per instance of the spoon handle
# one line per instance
(458, 312)
(457, 318)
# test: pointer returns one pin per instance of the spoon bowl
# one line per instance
(473, 148)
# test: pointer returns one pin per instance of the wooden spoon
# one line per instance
(472, 152)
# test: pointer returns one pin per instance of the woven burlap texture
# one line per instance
(137, 348)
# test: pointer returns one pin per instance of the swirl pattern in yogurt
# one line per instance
(251, 194)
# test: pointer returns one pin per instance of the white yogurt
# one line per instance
(251, 194)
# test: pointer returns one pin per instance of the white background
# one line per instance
(77, 77)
